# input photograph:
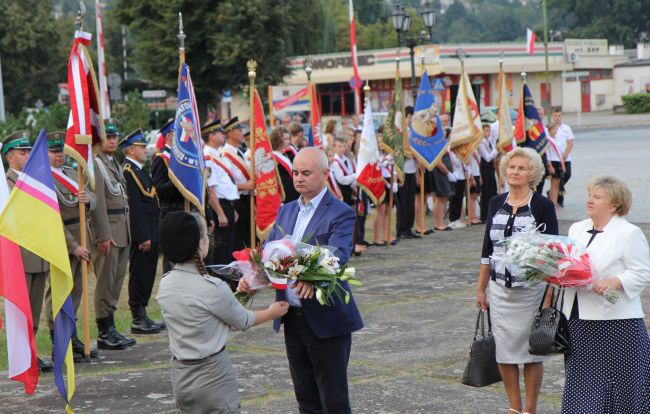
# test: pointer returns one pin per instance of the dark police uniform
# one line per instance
(143, 220)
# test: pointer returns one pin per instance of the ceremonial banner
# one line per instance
(506, 133)
(427, 137)
(21, 346)
(466, 133)
(315, 139)
(355, 82)
(393, 140)
(267, 191)
(186, 161)
(519, 133)
(535, 132)
(33, 207)
(291, 99)
(85, 125)
(369, 176)
(101, 63)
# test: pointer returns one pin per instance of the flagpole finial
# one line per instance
(252, 66)
(523, 76)
(501, 59)
(460, 52)
(79, 20)
(366, 88)
(181, 34)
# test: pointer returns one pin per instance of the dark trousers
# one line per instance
(318, 367)
(362, 212)
(456, 201)
(565, 179)
(243, 233)
(224, 237)
(164, 210)
(142, 274)
(488, 188)
(406, 205)
(540, 186)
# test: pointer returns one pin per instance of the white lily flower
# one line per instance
(295, 270)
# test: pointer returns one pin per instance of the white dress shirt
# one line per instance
(237, 174)
(487, 150)
(409, 166)
(345, 175)
(621, 250)
(305, 214)
(219, 178)
(563, 135)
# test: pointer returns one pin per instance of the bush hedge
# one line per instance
(636, 103)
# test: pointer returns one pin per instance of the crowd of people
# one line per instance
(133, 216)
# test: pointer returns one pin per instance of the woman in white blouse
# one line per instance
(608, 369)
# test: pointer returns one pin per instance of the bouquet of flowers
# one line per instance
(535, 257)
(282, 262)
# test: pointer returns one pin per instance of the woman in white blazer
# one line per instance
(608, 369)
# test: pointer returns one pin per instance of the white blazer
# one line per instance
(621, 250)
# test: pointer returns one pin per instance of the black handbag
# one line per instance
(482, 369)
(550, 331)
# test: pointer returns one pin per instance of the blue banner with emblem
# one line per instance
(535, 132)
(186, 161)
(426, 135)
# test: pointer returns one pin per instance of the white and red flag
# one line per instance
(369, 176)
(21, 346)
(85, 124)
(530, 41)
(355, 82)
(101, 63)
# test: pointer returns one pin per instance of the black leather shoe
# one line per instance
(141, 324)
(107, 338)
(127, 341)
(78, 348)
(45, 366)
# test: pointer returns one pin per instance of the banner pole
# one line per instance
(84, 266)
(468, 200)
(252, 65)
(390, 205)
(422, 203)
(270, 89)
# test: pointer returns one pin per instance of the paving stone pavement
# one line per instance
(418, 306)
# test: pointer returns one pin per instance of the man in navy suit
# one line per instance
(318, 337)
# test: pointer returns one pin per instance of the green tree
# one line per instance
(622, 21)
(32, 61)
(132, 114)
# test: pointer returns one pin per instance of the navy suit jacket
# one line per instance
(333, 225)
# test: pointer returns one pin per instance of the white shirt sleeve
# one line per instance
(340, 177)
(636, 259)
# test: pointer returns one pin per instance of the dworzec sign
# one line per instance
(586, 47)
(342, 62)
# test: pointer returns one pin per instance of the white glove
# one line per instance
(451, 177)
(494, 154)
(395, 187)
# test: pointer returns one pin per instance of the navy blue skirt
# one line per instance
(608, 369)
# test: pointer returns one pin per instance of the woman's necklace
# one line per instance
(521, 203)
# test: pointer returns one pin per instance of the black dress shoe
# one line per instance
(44, 366)
(394, 242)
(445, 229)
(429, 231)
(127, 341)
(140, 324)
(78, 349)
(107, 338)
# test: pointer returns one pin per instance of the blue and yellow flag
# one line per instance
(535, 133)
(187, 162)
(426, 137)
(33, 208)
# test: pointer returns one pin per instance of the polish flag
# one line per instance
(530, 42)
(101, 63)
(21, 346)
(355, 82)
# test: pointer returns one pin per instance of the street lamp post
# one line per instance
(401, 23)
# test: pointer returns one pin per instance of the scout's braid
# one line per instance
(200, 266)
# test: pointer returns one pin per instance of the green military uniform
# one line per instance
(110, 221)
(36, 269)
(66, 185)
